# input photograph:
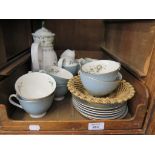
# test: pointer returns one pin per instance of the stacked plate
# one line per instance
(112, 106)
(100, 111)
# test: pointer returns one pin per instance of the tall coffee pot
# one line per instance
(42, 52)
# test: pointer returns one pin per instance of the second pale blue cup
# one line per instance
(99, 88)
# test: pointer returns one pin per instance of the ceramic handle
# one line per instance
(13, 102)
(34, 56)
(60, 62)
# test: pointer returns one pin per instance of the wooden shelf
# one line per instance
(62, 118)
(131, 43)
(19, 60)
(132, 69)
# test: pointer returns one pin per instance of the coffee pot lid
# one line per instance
(43, 32)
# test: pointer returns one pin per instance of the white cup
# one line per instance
(35, 85)
(65, 61)
(35, 93)
(69, 54)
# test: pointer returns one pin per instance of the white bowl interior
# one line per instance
(60, 72)
(101, 66)
(35, 85)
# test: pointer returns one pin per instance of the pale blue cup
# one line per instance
(99, 88)
(35, 108)
(83, 61)
(104, 70)
(35, 93)
(73, 68)
(60, 75)
(60, 92)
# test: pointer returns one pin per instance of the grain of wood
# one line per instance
(132, 42)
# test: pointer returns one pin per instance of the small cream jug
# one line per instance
(42, 53)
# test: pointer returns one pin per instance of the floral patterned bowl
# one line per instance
(105, 70)
(60, 75)
(99, 88)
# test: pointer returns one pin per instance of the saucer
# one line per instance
(89, 115)
(112, 111)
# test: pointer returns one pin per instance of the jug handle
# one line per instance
(35, 47)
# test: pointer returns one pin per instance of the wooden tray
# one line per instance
(62, 118)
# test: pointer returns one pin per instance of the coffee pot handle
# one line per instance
(13, 102)
(35, 47)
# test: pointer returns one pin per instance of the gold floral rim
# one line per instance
(124, 92)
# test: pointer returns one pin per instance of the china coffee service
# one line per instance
(97, 87)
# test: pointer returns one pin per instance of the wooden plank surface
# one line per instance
(150, 79)
(13, 64)
(74, 34)
(3, 58)
(131, 42)
(17, 36)
(86, 132)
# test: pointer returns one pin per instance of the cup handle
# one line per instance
(60, 62)
(14, 103)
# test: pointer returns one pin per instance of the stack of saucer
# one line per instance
(112, 106)
(91, 111)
